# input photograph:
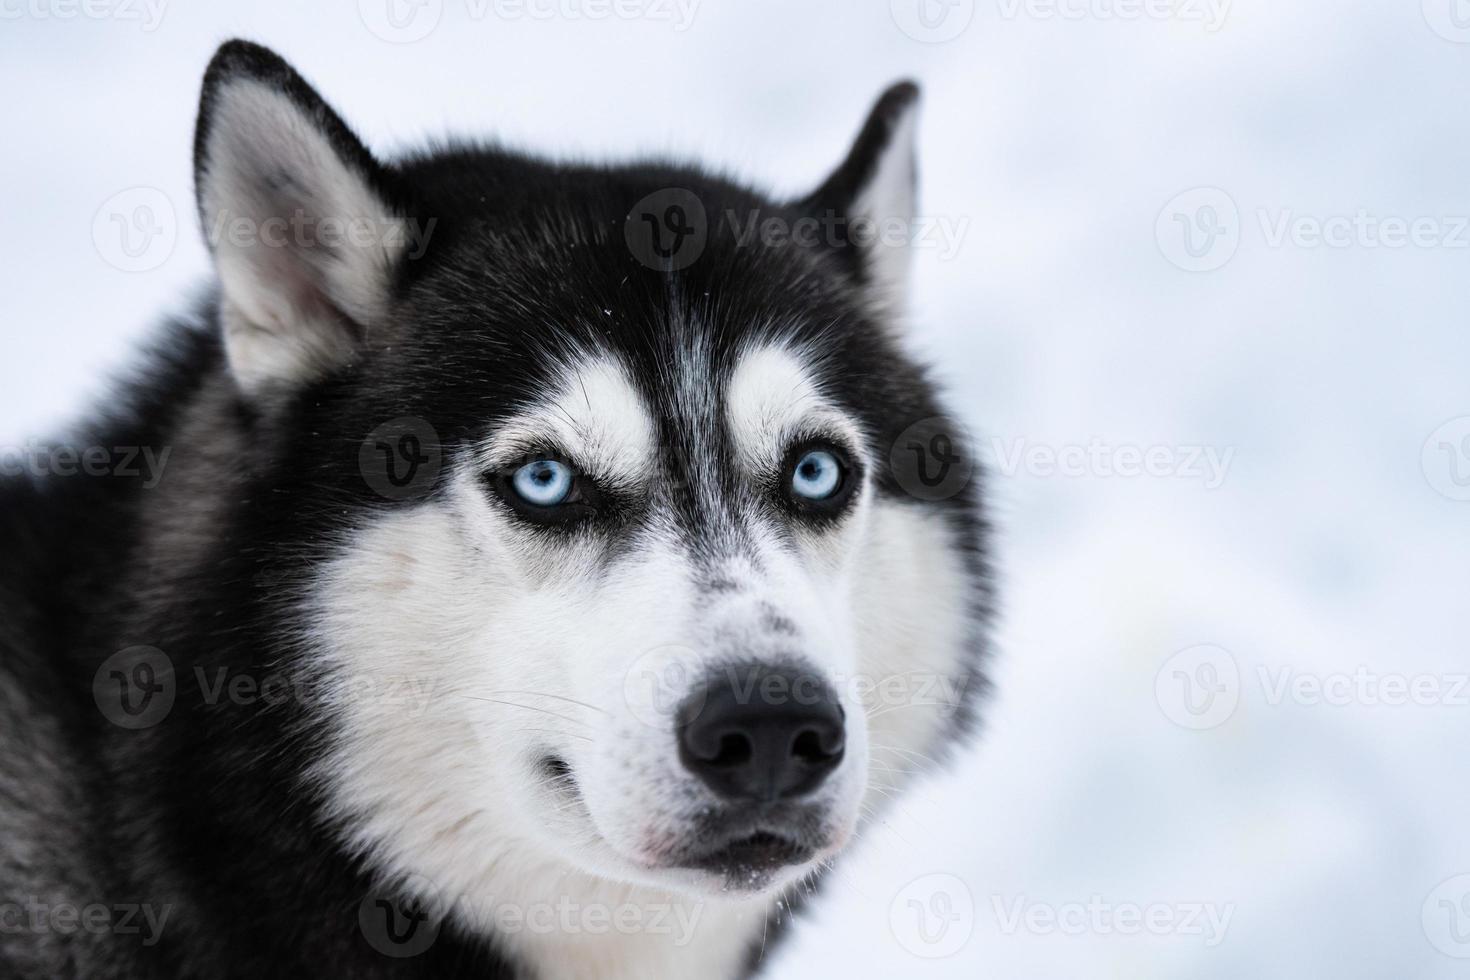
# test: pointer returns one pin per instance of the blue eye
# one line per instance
(543, 482)
(817, 476)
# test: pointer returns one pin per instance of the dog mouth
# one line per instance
(750, 857)
(752, 848)
(746, 851)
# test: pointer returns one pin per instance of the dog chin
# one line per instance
(761, 863)
(753, 869)
(737, 852)
(753, 853)
(749, 866)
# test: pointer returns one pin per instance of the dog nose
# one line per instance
(762, 734)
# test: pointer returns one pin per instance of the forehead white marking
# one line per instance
(594, 415)
(773, 400)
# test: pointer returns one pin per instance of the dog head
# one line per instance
(645, 549)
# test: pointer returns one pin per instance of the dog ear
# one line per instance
(299, 218)
(871, 197)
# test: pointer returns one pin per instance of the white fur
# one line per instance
(520, 646)
(772, 400)
(597, 419)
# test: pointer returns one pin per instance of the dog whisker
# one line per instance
(528, 707)
(554, 731)
(558, 697)
(946, 705)
(885, 747)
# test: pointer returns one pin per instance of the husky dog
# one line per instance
(512, 568)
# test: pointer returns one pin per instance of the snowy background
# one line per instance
(1232, 725)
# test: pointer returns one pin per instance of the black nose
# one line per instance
(761, 733)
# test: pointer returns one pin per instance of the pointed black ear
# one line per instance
(873, 194)
(299, 218)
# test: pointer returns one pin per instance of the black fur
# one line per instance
(207, 812)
